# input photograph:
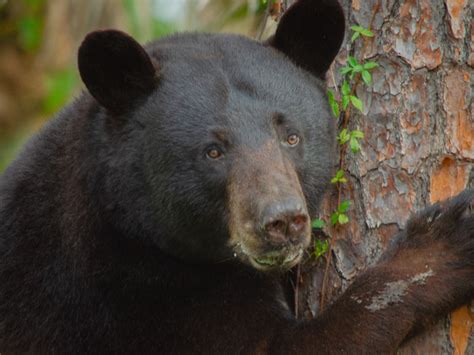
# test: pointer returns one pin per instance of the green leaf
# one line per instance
(356, 102)
(358, 68)
(343, 137)
(346, 90)
(357, 28)
(345, 70)
(344, 206)
(318, 223)
(367, 33)
(339, 177)
(334, 218)
(352, 61)
(321, 247)
(363, 31)
(370, 65)
(343, 219)
(366, 77)
(354, 144)
(331, 96)
(355, 35)
(335, 109)
(357, 134)
(345, 102)
(333, 103)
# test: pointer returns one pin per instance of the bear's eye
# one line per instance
(293, 140)
(213, 153)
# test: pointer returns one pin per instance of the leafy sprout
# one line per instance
(339, 216)
(339, 177)
(318, 223)
(360, 31)
(348, 97)
(321, 247)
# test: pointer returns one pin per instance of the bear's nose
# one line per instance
(285, 223)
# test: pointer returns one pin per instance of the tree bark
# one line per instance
(418, 146)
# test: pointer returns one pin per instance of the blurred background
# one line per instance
(39, 41)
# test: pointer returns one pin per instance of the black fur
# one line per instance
(114, 224)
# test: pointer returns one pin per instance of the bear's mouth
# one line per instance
(277, 259)
(284, 258)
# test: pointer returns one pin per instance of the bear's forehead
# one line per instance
(229, 60)
(210, 82)
(213, 76)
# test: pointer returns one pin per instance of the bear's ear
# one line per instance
(115, 69)
(310, 33)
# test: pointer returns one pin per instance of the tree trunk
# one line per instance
(418, 146)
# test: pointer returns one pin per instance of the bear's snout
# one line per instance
(269, 223)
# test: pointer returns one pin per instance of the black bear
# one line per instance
(158, 212)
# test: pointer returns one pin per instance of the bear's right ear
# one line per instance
(115, 69)
(310, 33)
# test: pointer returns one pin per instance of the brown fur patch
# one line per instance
(258, 178)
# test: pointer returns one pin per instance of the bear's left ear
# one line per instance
(116, 69)
(310, 33)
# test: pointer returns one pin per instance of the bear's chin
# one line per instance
(279, 259)
(276, 260)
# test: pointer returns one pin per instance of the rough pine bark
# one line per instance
(418, 146)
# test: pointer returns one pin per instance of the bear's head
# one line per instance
(217, 146)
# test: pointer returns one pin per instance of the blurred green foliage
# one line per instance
(59, 88)
(30, 24)
(137, 23)
(29, 30)
(24, 29)
(132, 14)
